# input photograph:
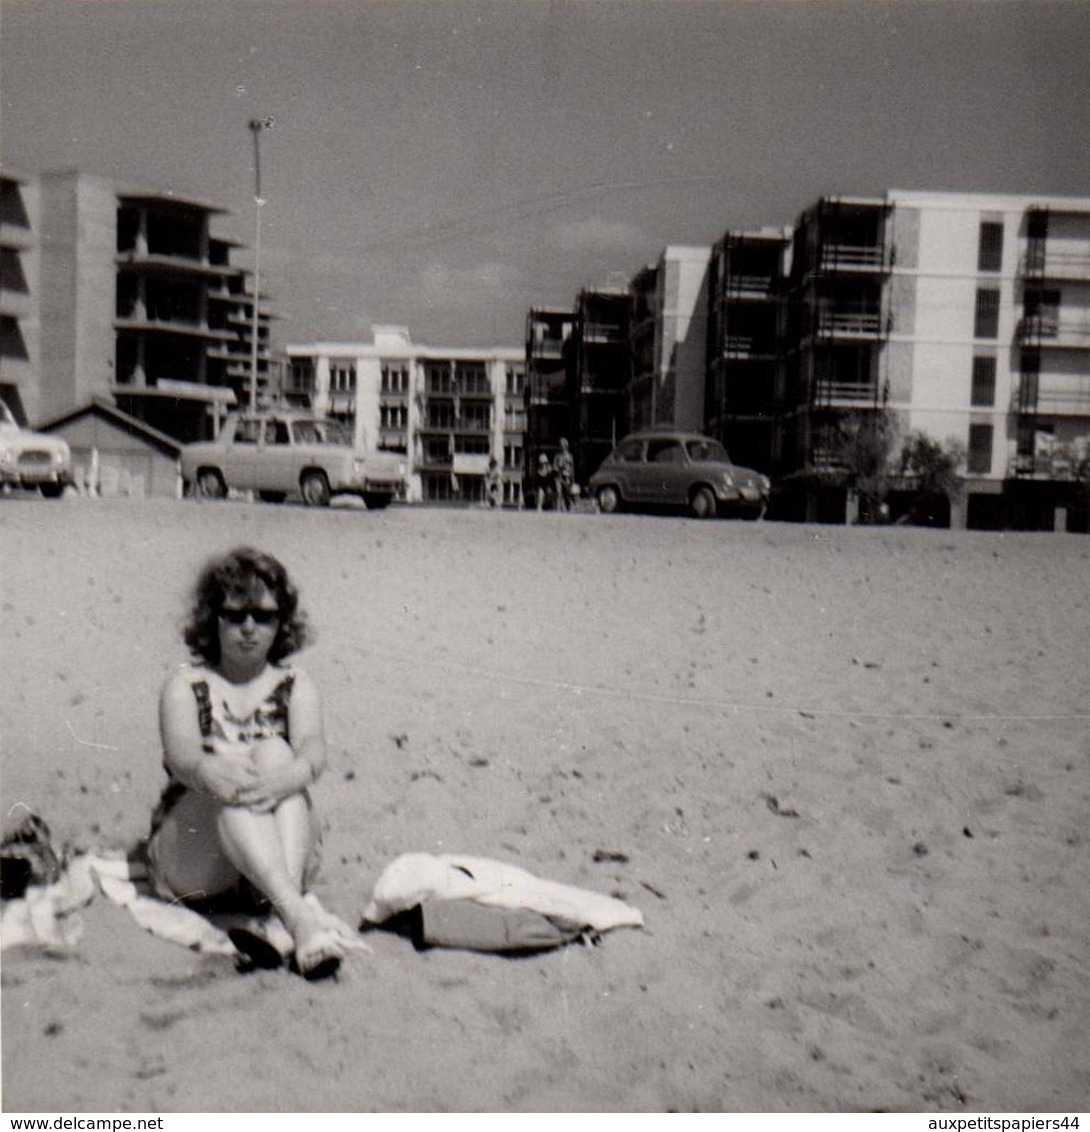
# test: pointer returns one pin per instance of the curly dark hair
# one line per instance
(237, 575)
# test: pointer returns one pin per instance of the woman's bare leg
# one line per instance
(272, 851)
(293, 816)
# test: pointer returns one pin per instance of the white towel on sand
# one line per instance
(413, 878)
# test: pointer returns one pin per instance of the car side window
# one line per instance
(631, 452)
(665, 452)
(247, 431)
(306, 432)
(276, 432)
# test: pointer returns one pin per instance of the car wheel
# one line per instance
(702, 503)
(271, 496)
(315, 489)
(609, 499)
(52, 490)
(210, 484)
(376, 500)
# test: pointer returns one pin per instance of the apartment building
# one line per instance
(548, 402)
(121, 293)
(447, 410)
(579, 372)
(963, 316)
(746, 324)
(670, 304)
(967, 317)
(601, 376)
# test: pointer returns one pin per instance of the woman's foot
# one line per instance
(266, 943)
(318, 951)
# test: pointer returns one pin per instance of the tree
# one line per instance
(862, 451)
(932, 469)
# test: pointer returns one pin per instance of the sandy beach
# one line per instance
(843, 772)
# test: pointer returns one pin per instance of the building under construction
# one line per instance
(122, 294)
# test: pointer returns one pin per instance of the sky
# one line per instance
(447, 164)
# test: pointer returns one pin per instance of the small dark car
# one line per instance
(679, 471)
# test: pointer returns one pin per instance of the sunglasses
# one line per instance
(260, 616)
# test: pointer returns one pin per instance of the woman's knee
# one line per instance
(272, 753)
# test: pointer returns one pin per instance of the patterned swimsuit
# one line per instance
(269, 720)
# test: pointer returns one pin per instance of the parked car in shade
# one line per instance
(32, 459)
(282, 453)
(674, 470)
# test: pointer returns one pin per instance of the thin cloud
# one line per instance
(596, 234)
(442, 284)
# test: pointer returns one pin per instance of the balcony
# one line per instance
(854, 322)
(138, 323)
(750, 287)
(15, 304)
(1044, 466)
(1056, 263)
(171, 263)
(16, 236)
(604, 332)
(847, 257)
(846, 393)
(342, 401)
(1056, 331)
(395, 439)
(547, 348)
(738, 347)
(462, 426)
(436, 463)
(1053, 396)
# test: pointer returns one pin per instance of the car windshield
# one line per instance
(707, 451)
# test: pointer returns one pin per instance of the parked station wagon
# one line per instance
(277, 454)
(32, 459)
(679, 471)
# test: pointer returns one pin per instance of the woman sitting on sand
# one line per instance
(242, 743)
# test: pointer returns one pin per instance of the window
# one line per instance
(516, 380)
(704, 451)
(987, 313)
(395, 377)
(302, 374)
(665, 452)
(247, 431)
(983, 396)
(472, 445)
(342, 376)
(437, 378)
(990, 250)
(440, 415)
(476, 416)
(276, 432)
(393, 416)
(980, 449)
(472, 378)
(631, 451)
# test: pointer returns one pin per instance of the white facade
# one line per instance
(959, 370)
(671, 365)
(448, 409)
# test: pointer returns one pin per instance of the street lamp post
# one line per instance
(256, 126)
